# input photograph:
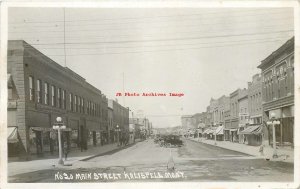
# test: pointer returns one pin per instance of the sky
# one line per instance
(203, 53)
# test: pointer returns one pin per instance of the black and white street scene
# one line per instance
(150, 95)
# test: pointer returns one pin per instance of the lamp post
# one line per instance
(274, 122)
(118, 134)
(59, 125)
(216, 137)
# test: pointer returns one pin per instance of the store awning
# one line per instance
(211, 131)
(48, 129)
(220, 130)
(12, 134)
(232, 130)
(206, 131)
(252, 130)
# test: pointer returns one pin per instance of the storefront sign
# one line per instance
(276, 113)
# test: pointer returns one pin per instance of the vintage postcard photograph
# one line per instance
(150, 94)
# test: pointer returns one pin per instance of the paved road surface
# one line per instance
(147, 161)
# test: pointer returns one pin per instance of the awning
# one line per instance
(211, 131)
(206, 131)
(199, 131)
(12, 135)
(220, 130)
(48, 129)
(252, 130)
(232, 130)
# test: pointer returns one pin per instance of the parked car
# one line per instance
(171, 140)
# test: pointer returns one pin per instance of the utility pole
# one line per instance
(65, 38)
(123, 91)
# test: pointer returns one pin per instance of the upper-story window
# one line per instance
(53, 95)
(31, 89)
(75, 102)
(79, 104)
(64, 102)
(39, 90)
(82, 104)
(59, 97)
(46, 93)
(71, 101)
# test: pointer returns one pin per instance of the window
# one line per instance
(71, 101)
(59, 97)
(53, 96)
(39, 91)
(79, 104)
(63, 99)
(31, 89)
(46, 97)
(88, 107)
(82, 104)
(75, 102)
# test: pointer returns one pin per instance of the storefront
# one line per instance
(220, 133)
(253, 135)
(12, 141)
(284, 132)
(45, 140)
(233, 135)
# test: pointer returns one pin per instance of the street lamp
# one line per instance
(59, 125)
(118, 136)
(274, 122)
(216, 137)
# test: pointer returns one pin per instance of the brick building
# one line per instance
(255, 132)
(120, 118)
(39, 91)
(243, 113)
(278, 91)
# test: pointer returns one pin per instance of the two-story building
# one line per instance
(39, 91)
(277, 72)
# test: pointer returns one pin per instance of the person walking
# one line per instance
(66, 150)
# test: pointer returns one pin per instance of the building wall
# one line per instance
(234, 109)
(120, 116)
(187, 121)
(243, 108)
(25, 62)
(255, 99)
(278, 91)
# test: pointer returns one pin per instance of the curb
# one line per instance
(109, 152)
(265, 158)
(224, 148)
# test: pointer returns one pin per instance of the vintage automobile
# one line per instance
(171, 140)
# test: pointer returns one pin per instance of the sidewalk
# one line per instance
(284, 154)
(74, 156)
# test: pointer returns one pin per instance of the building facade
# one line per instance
(243, 113)
(40, 91)
(256, 132)
(278, 92)
(120, 120)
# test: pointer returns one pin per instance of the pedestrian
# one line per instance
(66, 150)
(261, 149)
